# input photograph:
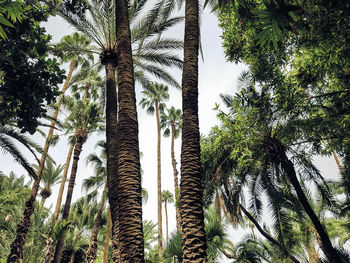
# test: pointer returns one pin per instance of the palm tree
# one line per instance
(85, 118)
(192, 219)
(167, 197)
(50, 177)
(22, 229)
(173, 120)
(153, 96)
(95, 182)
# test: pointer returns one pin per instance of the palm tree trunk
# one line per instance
(176, 180)
(326, 243)
(72, 257)
(129, 236)
(91, 253)
(166, 221)
(338, 162)
(16, 253)
(42, 202)
(192, 217)
(108, 230)
(266, 235)
(111, 139)
(159, 186)
(77, 151)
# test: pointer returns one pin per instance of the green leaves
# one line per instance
(60, 228)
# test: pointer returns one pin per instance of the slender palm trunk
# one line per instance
(16, 253)
(166, 220)
(326, 243)
(176, 180)
(77, 151)
(72, 257)
(338, 162)
(42, 202)
(92, 250)
(129, 236)
(192, 217)
(108, 231)
(159, 186)
(266, 235)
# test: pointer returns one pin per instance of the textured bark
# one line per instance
(192, 217)
(166, 220)
(16, 253)
(176, 180)
(77, 151)
(109, 61)
(92, 250)
(108, 231)
(159, 186)
(129, 234)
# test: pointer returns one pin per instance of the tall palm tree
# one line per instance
(192, 218)
(22, 229)
(153, 96)
(172, 123)
(167, 197)
(85, 118)
(50, 177)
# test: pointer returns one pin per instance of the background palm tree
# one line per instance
(167, 197)
(50, 177)
(85, 118)
(153, 96)
(171, 122)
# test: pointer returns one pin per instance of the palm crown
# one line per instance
(154, 93)
(172, 117)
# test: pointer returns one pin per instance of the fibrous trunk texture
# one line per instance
(129, 236)
(176, 180)
(92, 250)
(77, 151)
(16, 253)
(159, 186)
(108, 231)
(192, 217)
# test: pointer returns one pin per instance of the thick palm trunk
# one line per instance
(266, 235)
(91, 253)
(108, 231)
(77, 151)
(166, 221)
(326, 243)
(176, 180)
(16, 253)
(159, 186)
(129, 236)
(192, 217)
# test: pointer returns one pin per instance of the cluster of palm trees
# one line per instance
(131, 48)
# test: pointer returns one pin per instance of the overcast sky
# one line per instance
(215, 76)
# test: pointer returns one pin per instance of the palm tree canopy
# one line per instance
(154, 93)
(173, 116)
(151, 52)
(167, 196)
(51, 174)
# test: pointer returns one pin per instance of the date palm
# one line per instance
(50, 177)
(153, 99)
(22, 229)
(85, 117)
(167, 197)
(171, 122)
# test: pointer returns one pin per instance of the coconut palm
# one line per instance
(50, 177)
(154, 95)
(171, 122)
(167, 197)
(192, 219)
(17, 245)
(85, 117)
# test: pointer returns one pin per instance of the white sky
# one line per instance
(215, 76)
